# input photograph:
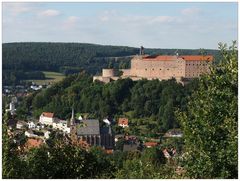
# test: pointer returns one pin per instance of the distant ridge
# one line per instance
(21, 57)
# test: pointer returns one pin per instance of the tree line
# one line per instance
(69, 58)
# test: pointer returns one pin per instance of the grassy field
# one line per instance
(51, 77)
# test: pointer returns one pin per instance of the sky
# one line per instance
(152, 25)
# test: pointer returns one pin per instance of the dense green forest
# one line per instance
(152, 101)
(21, 59)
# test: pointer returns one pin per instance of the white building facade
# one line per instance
(46, 118)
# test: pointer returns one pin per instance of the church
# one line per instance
(87, 132)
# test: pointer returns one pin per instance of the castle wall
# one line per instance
(164, 69)
(126, 72)
(161, 67)
(196, 68)
(108, 72)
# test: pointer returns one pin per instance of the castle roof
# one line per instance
(182, 57)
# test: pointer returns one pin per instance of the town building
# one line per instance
(21, 125)
(29, 133)
(173, 133)
(107, 138)
(123, 122)
(61, 125)
(162, 67)
(31, 125)
(150, 144)
(46, 118)
(88, 132)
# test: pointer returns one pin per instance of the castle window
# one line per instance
(152, 69)
(167, 69)
(145, 69)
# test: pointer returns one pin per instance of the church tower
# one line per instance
(73, 129)
(72, 120)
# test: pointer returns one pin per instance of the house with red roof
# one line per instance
(150, 144)
(46, 118)
(123, 122)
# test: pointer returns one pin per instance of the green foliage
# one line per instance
(154, 155)
(12, 166)
(176, 142)
(119, 144)
(150, 105)
(148, 165)
(210, 122)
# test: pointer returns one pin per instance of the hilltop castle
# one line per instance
(162, 67)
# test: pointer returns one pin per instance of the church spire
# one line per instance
(72, 121)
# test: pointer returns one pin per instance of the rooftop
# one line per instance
(88, 127)
(182, 57)
(150, 144)
(123, 121)
(48, 114)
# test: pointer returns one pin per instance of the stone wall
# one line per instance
(157, 69)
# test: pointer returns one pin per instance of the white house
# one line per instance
(173, 133)
(35, 87)
(61, 125)
(31, 125)
(21, 124)
(29, 133)
(46, 134)
(47, 118)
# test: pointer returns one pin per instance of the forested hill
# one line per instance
(19, 58)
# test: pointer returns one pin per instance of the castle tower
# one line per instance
(141, 50)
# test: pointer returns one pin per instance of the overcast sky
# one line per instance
(153, 25)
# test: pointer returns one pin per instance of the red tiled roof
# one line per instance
(33, 143)
(197, 57)
(150, 144)
(123, 121)
(48, 114)
(184, 57)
